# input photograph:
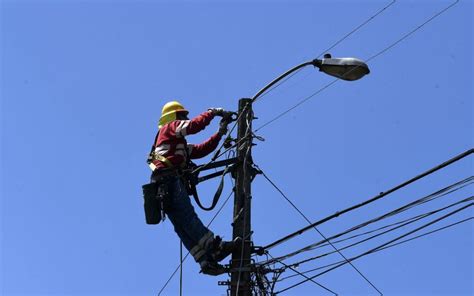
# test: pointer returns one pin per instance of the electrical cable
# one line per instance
(435, 195)
(329, 48)
(389, 246)
(380, 11)
(406, 35)
(370, 231)
(381, 246)
(218, 154)
(371, 200)
(358, 27)
(320, 233)
(471, 198)
(301, 274)
(181, 268)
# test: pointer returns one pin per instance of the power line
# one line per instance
(380, 11)
(309, 222)
(368, 60)
(387, 247)
(217, 154)
(181, 268)
(303, 275)
(471, 198)
(413, 31)
(297, 105)
(358, 27)
(381, 246)
(442, 192)
(370, 231)
(377, 197)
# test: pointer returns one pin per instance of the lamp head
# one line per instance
(343, 68)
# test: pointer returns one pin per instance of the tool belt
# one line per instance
(155, 195)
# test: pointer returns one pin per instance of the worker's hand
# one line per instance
(217, 111)
(223, 127)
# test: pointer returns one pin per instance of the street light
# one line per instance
(349, 69)
(240, 281)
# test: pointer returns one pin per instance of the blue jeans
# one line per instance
(186, 223)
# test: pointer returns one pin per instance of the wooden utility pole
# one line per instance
(240, 284)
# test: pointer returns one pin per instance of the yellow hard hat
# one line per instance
(168, 113)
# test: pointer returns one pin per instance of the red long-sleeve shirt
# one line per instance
(171, 142)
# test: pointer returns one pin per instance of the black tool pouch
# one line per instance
(154, 195)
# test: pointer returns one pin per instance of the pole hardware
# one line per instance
(259, 250)
(215, 164)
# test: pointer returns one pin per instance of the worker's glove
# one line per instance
(223, 127)
(217, 111)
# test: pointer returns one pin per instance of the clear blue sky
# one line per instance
(82, 86)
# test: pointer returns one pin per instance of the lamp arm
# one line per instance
(260, 92)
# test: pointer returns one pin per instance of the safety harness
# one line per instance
(155, 156)
(156, 193)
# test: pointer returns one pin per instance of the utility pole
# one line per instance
(240, 284)
(241, 265)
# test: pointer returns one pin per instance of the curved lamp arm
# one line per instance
(349, 69)
(260, 92)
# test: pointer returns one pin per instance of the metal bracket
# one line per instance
(215, 164)
(214, 175)
(258, 250)
(255, 171)
(223, 283)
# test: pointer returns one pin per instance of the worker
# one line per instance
(172, 151)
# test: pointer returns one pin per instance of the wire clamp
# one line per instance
(258, 250)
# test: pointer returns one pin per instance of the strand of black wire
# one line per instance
(299, 273)
(386, 247)
(381, 246)
(187, 254)
(320, 233)
(369, 232)
(368, 60)
(217, 155)
(181, 268)
(375, 198)
(435, 195)
(443, 192)
(380, 11)
(354, 236)
(412, 220)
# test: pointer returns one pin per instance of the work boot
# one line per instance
(212, 268)
(222, 249)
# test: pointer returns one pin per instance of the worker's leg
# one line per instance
(187, 241)
(196, 237)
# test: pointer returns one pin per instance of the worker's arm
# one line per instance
(205, 148)
(183, 128)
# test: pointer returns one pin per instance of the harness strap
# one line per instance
(164, 160)
(217, 195)
(150, 155)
